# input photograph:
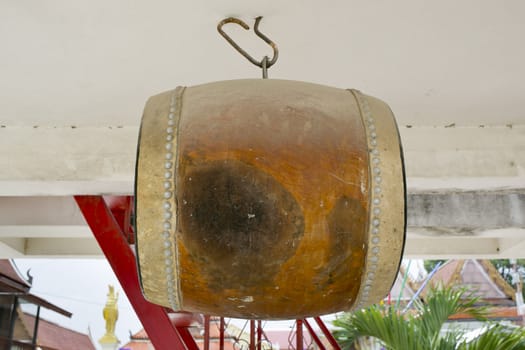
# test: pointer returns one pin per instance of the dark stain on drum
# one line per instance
(238, 223)
(347, 243)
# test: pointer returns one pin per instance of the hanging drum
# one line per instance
(268, 199)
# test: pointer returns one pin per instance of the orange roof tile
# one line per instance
(140, 335)
(53, 336)
(138, 345)
(504, 312)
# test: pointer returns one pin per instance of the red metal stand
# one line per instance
(259, 334)
(314, 336)
(252, 335)
(221, 333)
(327, 333)
(110, 221)
(207, 332)
(113, 242)
(299, 335)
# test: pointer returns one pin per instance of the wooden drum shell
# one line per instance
(268, 199)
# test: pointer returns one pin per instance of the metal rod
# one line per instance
(207, 332)
(314, 335)
(423, 285)
(252, 334)
(259, 334)
(221, 334)
(12, 322)
(267, 40)
(265, 67)
(35, 328)
(299, 335)
(403, 284)
(187, 338)
(266, 62)
(327, 333)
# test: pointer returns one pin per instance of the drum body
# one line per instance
(268, 199)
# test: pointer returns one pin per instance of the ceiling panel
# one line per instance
(95, 63)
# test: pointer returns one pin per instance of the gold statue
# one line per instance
(110, 314)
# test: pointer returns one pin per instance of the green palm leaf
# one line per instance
(394, 331)
(497, 337)
(441, 304)
(418, 330)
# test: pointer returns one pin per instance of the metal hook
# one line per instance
(265, 63)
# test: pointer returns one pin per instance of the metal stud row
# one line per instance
(375, 188)
(168, 193)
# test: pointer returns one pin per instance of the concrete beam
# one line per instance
(45, 231)
(466, 224)
(444, 243)
(458, 224)
(46, 161)
(40, 211)
(467, 211)
(12, 247)
(49, 247)
(452, 248)
(67, 161)
(513, 247)
(63, 248)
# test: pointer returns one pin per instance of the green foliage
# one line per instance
(387, 325)
(497, 337)
(421, 329)
(346, 334)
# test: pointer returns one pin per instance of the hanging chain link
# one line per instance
(266, 62)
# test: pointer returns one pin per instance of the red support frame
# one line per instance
(121, 208)
(259, 334)
(114, 243)
(252, 335)
(207, 332)
(222, 327)
(327, 333)
(314, 336)
(299, 335)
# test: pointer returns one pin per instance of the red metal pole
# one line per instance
(207, 332)
(252, 334)
(112, 241)
(120, 207)
(299, 335)
(221, 334)
(327, 333)
(259, 335)
(314, 335)
(187, 338)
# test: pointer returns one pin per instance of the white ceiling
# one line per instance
(95, 62)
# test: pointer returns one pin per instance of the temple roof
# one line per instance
(53, 336)
(12, 283)
(10, 278)
(479, 277)
(140, 335)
